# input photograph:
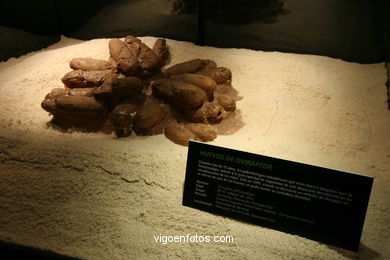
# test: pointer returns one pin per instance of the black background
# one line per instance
(365, 24)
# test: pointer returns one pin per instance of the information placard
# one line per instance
(321, 204)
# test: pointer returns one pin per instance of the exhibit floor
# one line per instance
(99, 197)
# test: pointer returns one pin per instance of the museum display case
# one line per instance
(99, 101)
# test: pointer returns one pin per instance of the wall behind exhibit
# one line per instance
(353, 30)
(26, 25)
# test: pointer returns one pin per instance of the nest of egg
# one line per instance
(135, 92)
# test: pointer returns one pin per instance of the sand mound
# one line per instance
(96, 196)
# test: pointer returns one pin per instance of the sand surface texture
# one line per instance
(98, 197)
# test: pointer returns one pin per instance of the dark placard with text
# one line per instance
(321, 204)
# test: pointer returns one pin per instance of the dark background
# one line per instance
(353, 30)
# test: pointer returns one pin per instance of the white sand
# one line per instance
(95, 196)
